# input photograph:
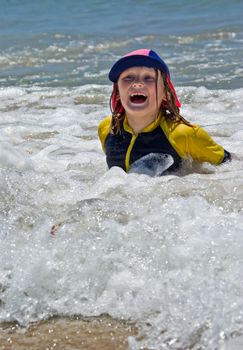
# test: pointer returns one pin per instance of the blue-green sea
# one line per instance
(72, 43)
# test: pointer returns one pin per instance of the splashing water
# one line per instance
(164, 252)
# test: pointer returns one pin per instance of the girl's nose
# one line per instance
(137, 83)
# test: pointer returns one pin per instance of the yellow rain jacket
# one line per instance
(162, 136)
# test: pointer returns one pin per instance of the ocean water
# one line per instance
(76, 239)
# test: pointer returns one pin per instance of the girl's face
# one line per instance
(141, 91)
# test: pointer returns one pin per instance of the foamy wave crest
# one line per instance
(12, 158)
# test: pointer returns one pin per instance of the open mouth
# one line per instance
(138, 98)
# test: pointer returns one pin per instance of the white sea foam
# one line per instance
(165, 251)
(12, 158)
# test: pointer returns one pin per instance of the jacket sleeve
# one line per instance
(103, 131)
(195, 142)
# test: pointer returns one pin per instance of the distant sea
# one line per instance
(72, 43)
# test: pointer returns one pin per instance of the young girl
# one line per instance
(146, 126)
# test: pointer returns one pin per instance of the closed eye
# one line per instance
(149, 78)
(128, 78)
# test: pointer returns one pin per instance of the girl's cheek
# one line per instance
(124, 85)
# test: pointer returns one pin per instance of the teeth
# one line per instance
(138, 94)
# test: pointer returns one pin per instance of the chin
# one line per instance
(137, 106)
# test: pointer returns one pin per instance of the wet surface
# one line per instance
(88, 333)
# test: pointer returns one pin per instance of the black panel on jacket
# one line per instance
(116, 147)
(154, 142)
(147, 142)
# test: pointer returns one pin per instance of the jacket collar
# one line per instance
(148, 128)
